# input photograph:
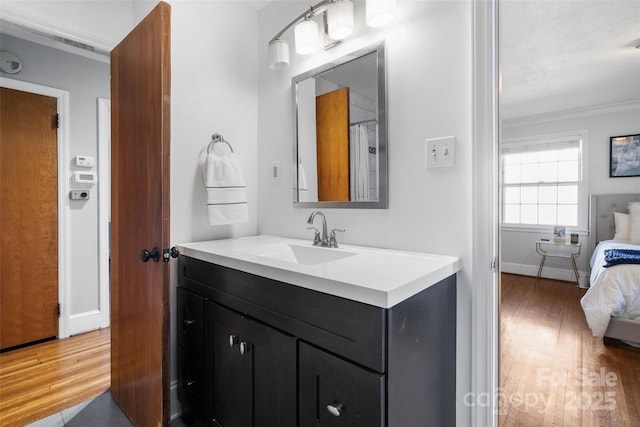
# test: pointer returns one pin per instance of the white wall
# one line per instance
(429, 95)
(518, 247)
(86, 80)
(213, 90)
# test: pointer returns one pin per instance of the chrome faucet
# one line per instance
(323, 240)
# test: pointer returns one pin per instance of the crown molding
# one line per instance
(571, 114)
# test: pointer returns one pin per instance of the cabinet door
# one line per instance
(254, 372)
(190, 322)
(337, 393)
(192, 392)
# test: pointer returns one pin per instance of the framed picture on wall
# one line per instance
(624, 157)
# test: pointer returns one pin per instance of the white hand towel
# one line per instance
(224, 182)
(302, 178)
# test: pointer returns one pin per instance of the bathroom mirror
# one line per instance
(341, 133)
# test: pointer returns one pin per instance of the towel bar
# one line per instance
(216, 137)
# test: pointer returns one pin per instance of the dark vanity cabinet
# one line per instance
(253, 351)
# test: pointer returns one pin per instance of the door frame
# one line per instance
(104, 210)
(64, 236)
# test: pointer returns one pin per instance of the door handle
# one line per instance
(244, 348)
(335, 409)
(154, 254)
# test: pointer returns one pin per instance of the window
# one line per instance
(542, 182)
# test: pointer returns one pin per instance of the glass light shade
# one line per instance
(278, 54)
(306, 36)
(380, 12)
(340, 19)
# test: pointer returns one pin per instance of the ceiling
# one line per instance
(567, 54)
(558, 55)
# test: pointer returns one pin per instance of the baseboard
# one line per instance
(547, 272)
(85, 322)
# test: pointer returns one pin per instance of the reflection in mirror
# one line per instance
(341, 142)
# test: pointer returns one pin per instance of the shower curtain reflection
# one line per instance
(359, 162)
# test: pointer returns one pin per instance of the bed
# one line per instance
(612, 303)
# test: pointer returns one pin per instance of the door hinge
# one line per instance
(56, 121)
(58, 309)
(493, 265)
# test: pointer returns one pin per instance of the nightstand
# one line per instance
(552, 249)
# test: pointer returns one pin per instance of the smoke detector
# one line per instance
(9, 63)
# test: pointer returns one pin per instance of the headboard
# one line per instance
(602, 207)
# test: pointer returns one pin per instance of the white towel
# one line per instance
(302, 178)
(226, 190)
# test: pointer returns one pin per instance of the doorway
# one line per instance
(76, 321)
(547, 349)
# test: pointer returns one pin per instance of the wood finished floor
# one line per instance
(553, 371)
(43, 379)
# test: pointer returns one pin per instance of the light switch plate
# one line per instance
(440, 152)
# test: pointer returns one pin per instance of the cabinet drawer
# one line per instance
(336, 393)
(190, 321)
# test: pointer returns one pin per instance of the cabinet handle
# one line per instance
(233, 340)
(335, 409)
(188, 385)
(189, 322)
(244, 348)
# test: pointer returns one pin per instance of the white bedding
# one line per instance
(614, 291)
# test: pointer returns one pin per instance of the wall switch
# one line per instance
(275, 171)
(440, 152)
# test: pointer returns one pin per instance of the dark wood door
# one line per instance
(254, 372)
(140, 108)
(332, 145)
(28, 218)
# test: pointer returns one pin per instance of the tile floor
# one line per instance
(99, 412)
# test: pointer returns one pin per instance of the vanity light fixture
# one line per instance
(340, 19)
(337, 24)
(306, 36)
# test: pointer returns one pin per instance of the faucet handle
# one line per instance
(316, 237)
(333, 243)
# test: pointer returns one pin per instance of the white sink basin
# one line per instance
(379, 277)
(300, 254)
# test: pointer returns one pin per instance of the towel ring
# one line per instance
(215, 138)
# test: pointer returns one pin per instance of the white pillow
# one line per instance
(622, 227)
(634, 223)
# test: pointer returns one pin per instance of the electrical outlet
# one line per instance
(440, 152)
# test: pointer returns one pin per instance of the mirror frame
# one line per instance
(383, 175)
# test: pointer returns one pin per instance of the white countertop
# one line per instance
(379, 277)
